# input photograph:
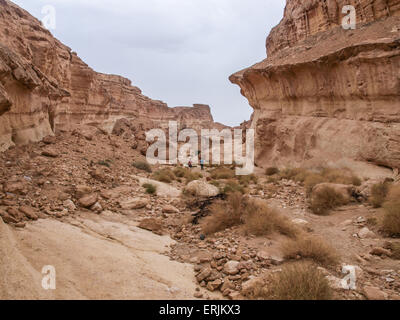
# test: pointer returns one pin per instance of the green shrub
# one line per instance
(150, 188)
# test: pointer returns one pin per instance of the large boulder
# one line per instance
(202, 189)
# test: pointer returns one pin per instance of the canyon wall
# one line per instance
(326, 93)
(44, 87)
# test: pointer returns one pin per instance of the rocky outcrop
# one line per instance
(325, 93)
(44, 87)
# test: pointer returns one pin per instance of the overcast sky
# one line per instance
(178, 51)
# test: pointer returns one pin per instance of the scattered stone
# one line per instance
(134, 203)
(88, 201)
(365, 233)
(70, 205)
(29, 212)
(204, 274)
(202, 189)
(50, 152)
(82, 190)
(97, 208)
(373, 293)
(300, 222)
(152, 225)
(381, 252)
(231, 268)
(214, 285)
(170, 209)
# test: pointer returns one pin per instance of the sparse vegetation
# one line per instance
(105, 163)
(310, 247)
(255, 216)
(233, 186)
(224, 214)
(271, 171)
(247, 180)
(311, 178)
(187, 174)
(164, 175)
(391, 218)
(142, 165)
(298, 281)
(395, 248)
(150, 188)
(379, 193)
(325, 200)
(222, 173)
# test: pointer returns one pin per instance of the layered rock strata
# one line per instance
(326, 93)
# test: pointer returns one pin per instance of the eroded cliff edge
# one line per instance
(45, 86)
(325, 93)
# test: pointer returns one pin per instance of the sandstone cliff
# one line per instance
(44, 86)
(325, 92)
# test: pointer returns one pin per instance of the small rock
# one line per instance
(373, 293)
(68, 204)
(214, 285)
(170, 209)
(381, 252)
(205, 273)
(231, 267)
(88, 201)
(50, 152)
(29, 212)
(365, 233)
(97, 208)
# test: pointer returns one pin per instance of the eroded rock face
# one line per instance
(44, 86)
(325, 92)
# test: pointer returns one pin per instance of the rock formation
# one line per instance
(44, 86)
(326, 93)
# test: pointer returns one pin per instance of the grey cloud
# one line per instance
(179, 51)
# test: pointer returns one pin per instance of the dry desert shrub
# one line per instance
(255, 216)
(299, 281)
(325, 200)
(222, 173)
(260, 220)
(224, 214)
(164, 175)
(310, 178)
(310, 247)
(141, 165)
(391, 218)
(271, 171)
(188, 174)
(395, 247)
(247, 180)
(379, 193)
(232, 186)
